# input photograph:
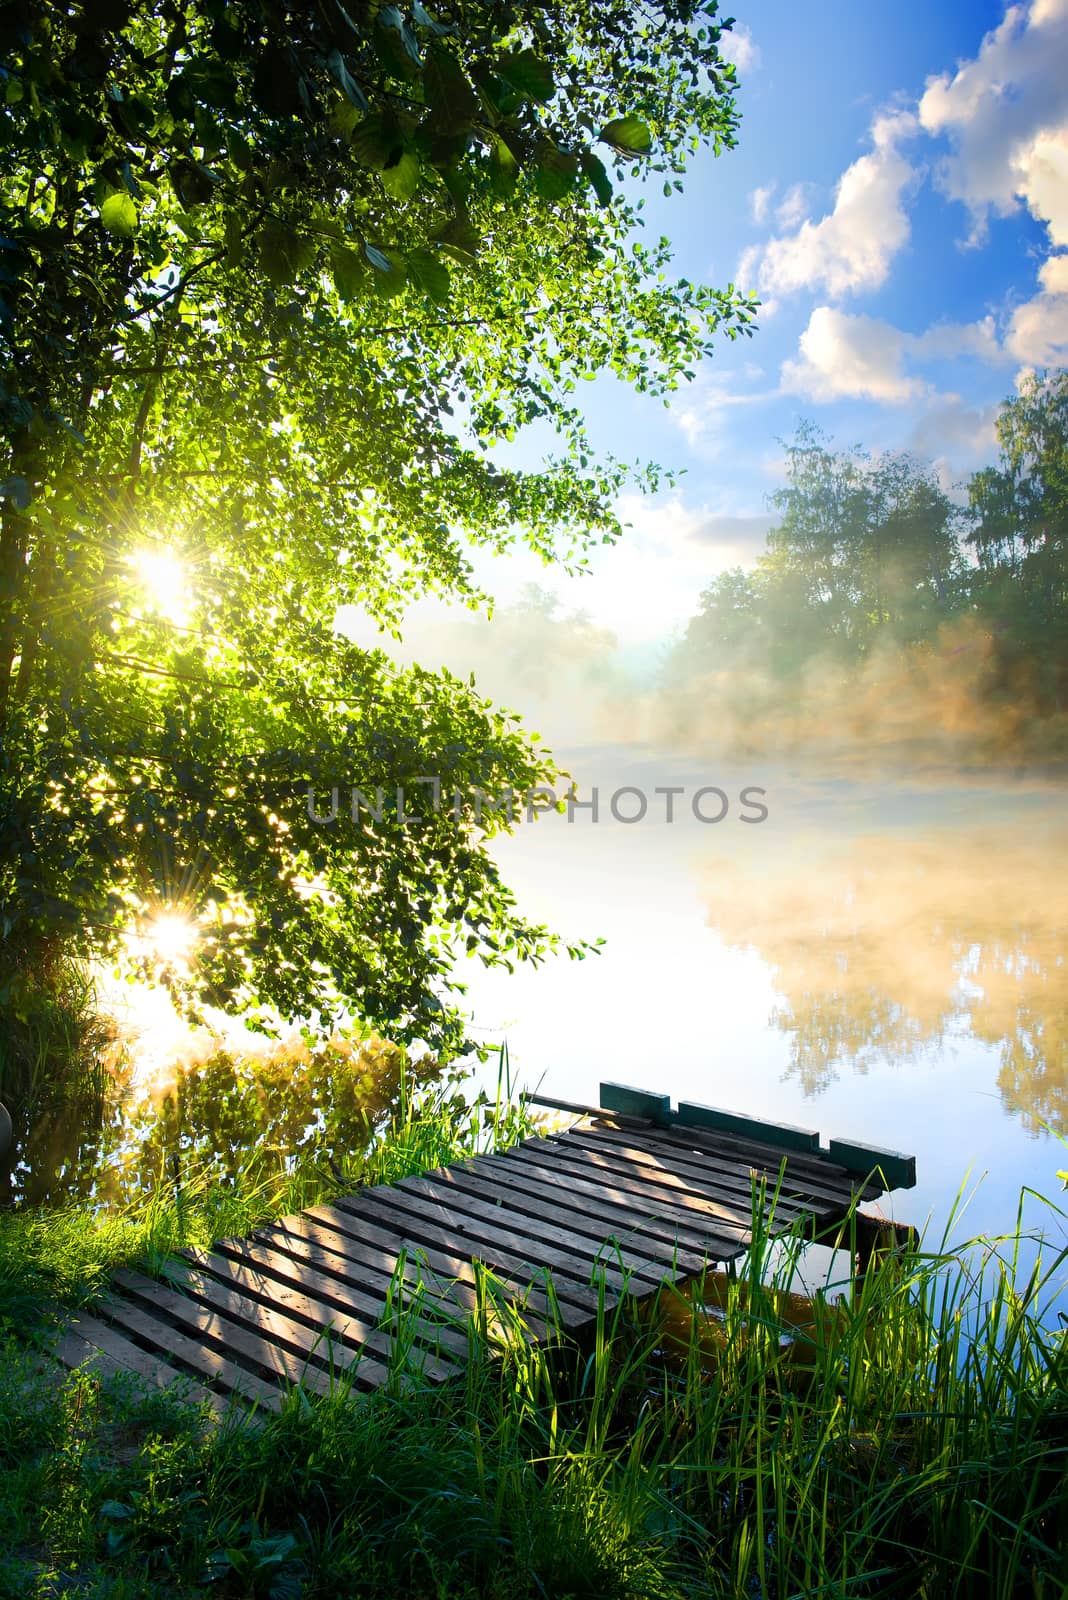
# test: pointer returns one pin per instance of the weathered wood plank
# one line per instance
(782, 1135)
(559, 1223)
(709, 1228)
(266, 1344)
(825, 1198)
(898, 1170)
(818, 1171)
(726, 1216)
(567, 1254)
(108, 1351)
(362, 1314)
(628, 1102)
(650, 1184)
(369, 1256)
(696, 1185)
(429, 1218)
(417, 1230)
(609, 1209)
(285, 1288)
(208, 1364)
(288, 1317)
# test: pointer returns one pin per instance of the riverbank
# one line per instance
(907, 1437)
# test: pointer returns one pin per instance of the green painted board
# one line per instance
(898, 1171)
(782, 1134)
(636, 1102)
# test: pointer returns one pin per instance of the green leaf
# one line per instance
(390, 274)
(430, 273)
(594, 169)
(393, 17)
(119, 214)
(453, 103)
(343, 119)
(349, 270)
(401, 178)
(629, 135)
(376, 142)
(116, 1510)
(283, 254)
(346, 82)
(504, 168)
(555, 173)
(192, 183)
(396, 45)
(378, 258)
(459, 234)
(423, 17)
(528, 75)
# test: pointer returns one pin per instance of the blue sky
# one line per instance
(899, 200)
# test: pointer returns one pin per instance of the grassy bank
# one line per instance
(908, 1437)
(908, 1440)
(60, 1257)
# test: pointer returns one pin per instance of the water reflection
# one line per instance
(882, 946)
(224, 1117)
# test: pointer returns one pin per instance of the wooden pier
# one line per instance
(632, 1195)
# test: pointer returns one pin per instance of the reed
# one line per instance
(904, 1435)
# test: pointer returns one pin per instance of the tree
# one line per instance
(863, 552)
(276, 278)
(1019, 536)
(872, 545)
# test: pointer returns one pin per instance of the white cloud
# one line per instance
(947, 340)
(1038, 332)
(1006, 116)
(850, 248)
(760, 201)
(792, 210)
(845, 356)
(737, 46)
(747, 273)
(699, 411)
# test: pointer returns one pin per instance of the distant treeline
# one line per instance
(885, 612)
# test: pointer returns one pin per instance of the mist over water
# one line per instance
(884, 958)
(880, 960)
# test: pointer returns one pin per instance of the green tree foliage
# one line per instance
(885, 613)
(863, 551)
(274, 281)
(1019, 537)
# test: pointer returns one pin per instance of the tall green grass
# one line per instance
(63, 1256)
(904, 1436)
(55, 1041)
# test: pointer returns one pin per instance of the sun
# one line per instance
(162, 577)
(170, 938)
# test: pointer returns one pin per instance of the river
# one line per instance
(878, 959)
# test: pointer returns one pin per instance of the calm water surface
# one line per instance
(881, 960)
(878, 960)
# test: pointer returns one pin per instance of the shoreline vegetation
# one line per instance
(904, 1434)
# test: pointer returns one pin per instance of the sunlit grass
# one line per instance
(906, 1435)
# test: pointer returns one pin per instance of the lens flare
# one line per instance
(162, 578)
(170, 938)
